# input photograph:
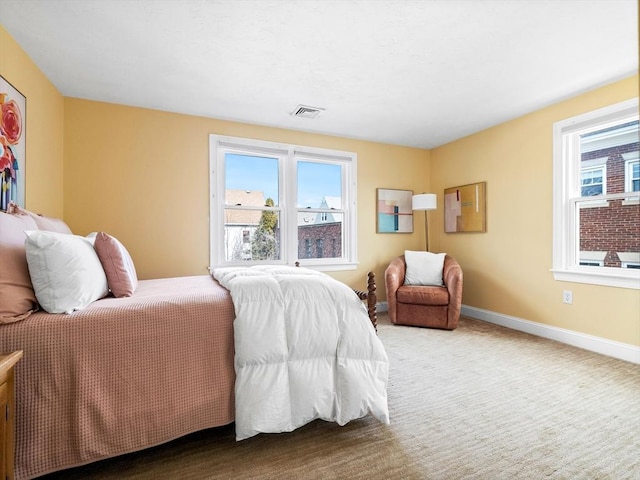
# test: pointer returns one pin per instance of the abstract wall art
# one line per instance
(465, 208)
(394, 214)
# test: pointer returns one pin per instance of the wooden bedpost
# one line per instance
(372, 299)
(369, 296)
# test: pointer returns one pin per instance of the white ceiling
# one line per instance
(415, 73)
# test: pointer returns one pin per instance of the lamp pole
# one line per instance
(425, 201)
(426, 231)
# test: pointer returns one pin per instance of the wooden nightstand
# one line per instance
(7, 413)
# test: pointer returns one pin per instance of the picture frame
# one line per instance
(393, 211)
(13, 109)
(465, 208)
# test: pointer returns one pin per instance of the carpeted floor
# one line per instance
(480, 402)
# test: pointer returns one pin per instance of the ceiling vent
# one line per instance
(306, 111)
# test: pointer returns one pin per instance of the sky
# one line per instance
(315, 180)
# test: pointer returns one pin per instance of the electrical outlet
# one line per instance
(567, 296)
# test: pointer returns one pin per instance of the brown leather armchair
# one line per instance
(424, 306)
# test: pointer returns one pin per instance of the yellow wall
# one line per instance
(44, 128)
(507, 269)
(142, 175)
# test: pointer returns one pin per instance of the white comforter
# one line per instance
(304, 349)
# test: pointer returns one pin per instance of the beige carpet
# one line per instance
(480, 402)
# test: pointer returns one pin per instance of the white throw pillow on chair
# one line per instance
(424, 268)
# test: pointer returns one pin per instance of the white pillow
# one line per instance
(65, 271)
(424, 268)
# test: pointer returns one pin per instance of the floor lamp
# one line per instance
(425, 201)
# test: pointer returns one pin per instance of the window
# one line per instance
(629, 260)
(277, 204)
(594, 259)
(593, 181)
(632, 172)
(596, 207)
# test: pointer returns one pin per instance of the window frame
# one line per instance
(288, 155)
(567, 199)
(594, 165)
(629, 260)
(601, 168)
(629, 178)
(630, 159)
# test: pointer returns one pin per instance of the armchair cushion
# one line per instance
(421, 295)
(424, 268)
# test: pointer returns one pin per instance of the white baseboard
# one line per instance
(382, 307)
(623, 351)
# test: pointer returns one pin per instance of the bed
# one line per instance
(124, 374)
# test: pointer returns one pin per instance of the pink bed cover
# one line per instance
(123, 374)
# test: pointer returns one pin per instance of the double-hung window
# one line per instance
(593, 181)
(274, 203)
(632, 172)
(596, 197)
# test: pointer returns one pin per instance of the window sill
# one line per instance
(328, 267)
(625, 278)
(594, 204)
(321, 267)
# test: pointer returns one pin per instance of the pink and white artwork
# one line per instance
(394, 211)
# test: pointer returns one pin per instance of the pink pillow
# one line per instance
(117, 265)
(17, 298)
(43, 223)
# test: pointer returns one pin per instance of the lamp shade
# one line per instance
(424, 201)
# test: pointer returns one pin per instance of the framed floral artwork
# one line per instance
(13, 107)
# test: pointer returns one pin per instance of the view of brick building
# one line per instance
(610, 228)
(319, 234)
(322, 240)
